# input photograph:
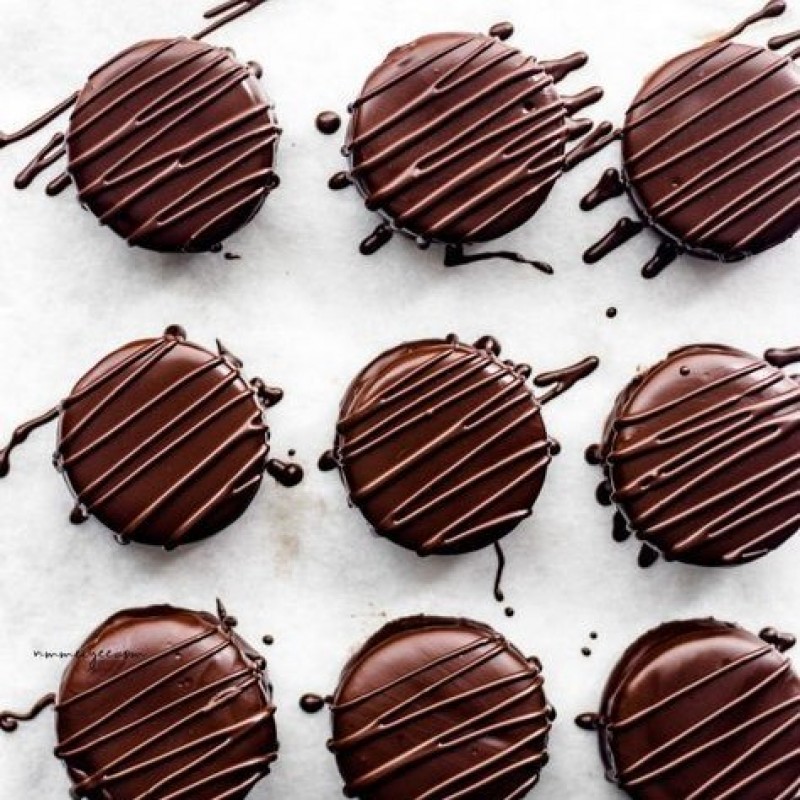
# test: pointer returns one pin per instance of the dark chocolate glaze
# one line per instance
(458, 138)
(328, 122)
(439, 707)
(172, 144)
(700, 455)
(9, 720)
(287, 474)
(711, 149)
(164, 441)
(701, 710)
(187, 714)
(442, 446)
(312, 703)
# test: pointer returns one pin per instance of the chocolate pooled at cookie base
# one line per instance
(702, 710)
(163, 702)
(163, 441)
(171, 144)
(711, 153)
(458, 138)
(701, 456)
(441, 444)
(440, 707)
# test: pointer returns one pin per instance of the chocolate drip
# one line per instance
(269, 395)
(588, 721)
(286, 474)
(38, 124)
(778, 42)
(588, 97)
(603, 493)
(622, 232)
(620, 531)
(610, 185)
(9, 720)
(313, 703)
(782, 357)
(328, 461)
(592, 455)
(666, 253)
(498, 578)
(490, 344)
(782, 642)
(562, 380)
(338, 181)
(559, 68)
(381, 236)
(59, 184)
(46, 157)
(774, 8)
(502, 31)
(578, 128)
(21, 434)
(599, 138)
(455, 256)
(328, 122)
(648, 556)
(231, 9)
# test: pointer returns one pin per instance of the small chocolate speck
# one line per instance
(586, 651)
(328, 122)
(611, 312)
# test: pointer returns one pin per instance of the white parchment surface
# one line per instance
(306, 311)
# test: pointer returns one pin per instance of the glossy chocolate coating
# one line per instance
(163, 441)
(701, 455)
(172, 144)
(439, 707)
(179, 706)
(457, 138)
(442, 445)
(702, 710)
(711, 148)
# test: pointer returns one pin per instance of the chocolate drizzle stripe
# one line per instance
(686, 733)
(676, 200)
(38, 124)
(710, 678)
(46, 157)
(746, 240)
(777, 42)
(721, 101)
(237, 8)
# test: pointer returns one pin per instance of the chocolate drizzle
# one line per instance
(699, 710)
(9, 720)
(458, 138)
(287, 474)
(502, 31)
(498, 578)
(774, 8)
(328, 461)
(778, 42)
(562, 380)
(381, 236)
(313, 703)
(228, 11)
(46, 157)
(442, 446)
(21, 434)
(186, 713)
(602, 136)
(437, 707)
(59, 184)
(782, 642)
(38, 124)
(700, 456)
(164, 441)
(622, 232)
(172, 144)
(782, 357)
(339, 181)
(455, 257)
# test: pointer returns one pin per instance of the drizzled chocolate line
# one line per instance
(9, 720)
(447, 703)
(47, 156)
(562, 380)
(774, 8)
(21, 434)
(232, 10)
(39, 123)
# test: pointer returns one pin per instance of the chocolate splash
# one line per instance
(9, 720)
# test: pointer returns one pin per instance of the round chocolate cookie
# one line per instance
(701, 710)
(162, 702)
(438, 707)
(164, 441)
(711, 150)
(172, 144)
(457, 138)
(702, 456)
(442, 445)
